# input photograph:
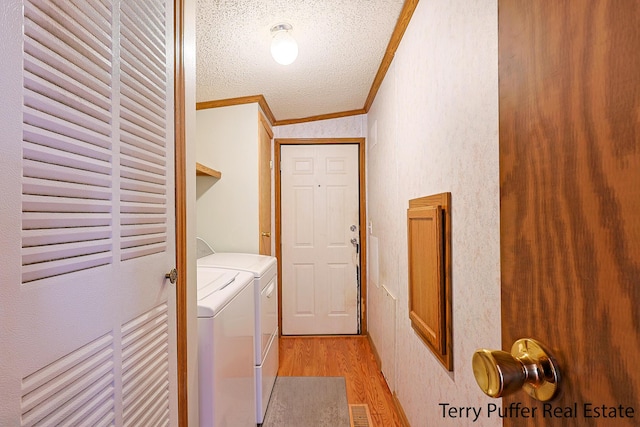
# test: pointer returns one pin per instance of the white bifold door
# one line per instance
(87, 223)
(320, 238)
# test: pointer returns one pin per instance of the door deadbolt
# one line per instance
(529, 366)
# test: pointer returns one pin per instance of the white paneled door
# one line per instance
(320, 218)
(87, 224)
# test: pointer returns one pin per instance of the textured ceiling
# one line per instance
(341, 45)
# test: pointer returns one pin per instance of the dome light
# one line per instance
(284, 48)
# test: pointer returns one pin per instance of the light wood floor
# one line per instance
(349, 357)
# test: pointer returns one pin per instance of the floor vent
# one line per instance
(360, 416)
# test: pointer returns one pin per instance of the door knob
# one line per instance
(529, 366)
(265, 234)
(172, 276)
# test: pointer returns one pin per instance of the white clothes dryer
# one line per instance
(226, 335)
(264, 270)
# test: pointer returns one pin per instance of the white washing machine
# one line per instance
(264, 270)
(226, 335)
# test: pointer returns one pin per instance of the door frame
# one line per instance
(180, 210)
(278, 142)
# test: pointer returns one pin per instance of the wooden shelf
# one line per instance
(202, 170)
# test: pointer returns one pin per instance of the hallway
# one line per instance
(347, 356)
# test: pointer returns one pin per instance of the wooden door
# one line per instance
(88, 333)
(264, 185)
(320, 216)
(570, 201)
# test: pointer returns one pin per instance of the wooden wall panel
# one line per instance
(429, 255)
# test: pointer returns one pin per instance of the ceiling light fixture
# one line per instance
(284, 48)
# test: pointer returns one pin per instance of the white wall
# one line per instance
(227, 209)
(433, 128)
(343, 127)
(434, 124)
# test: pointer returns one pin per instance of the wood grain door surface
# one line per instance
(570, 201)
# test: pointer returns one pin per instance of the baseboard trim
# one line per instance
(323, 336)
(374, 350)
(396, 401)
(400, 410)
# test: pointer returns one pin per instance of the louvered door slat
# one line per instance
(140, 165)
(74, 399)
(155, 13)
(103, 8)
(145, 358)
(141, 230)
(73, 28)
(141, 250)
(142, 186)
(130, 141)
(66, 386)
(53, 220)
(49, 151)
(130, 127)
(94, 91)
(54, 145)
(67, 130)
(135, 100)
(143, 209)
(91, 95)
(41, 120)
(141, 197)
(61, 205)
(74, 115)
(149, 48)
(48, 396)
(38, 85)
(40, 45)
(93, 351)
(143, 129)
(143, 176)
(66, 74)
(62, 251)
(154, 18)
(140, 158)
(139, 82)
(52, 236)
(92, 18)
(150, 403)
(34, 272)
(34, 186)
(137, 219)
(136, 51)
(43, 173)
(143, 241)
(99, 412)
(137, 118)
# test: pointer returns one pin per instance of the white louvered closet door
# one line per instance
(87, 224)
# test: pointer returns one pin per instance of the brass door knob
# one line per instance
(265, 234)
(529, 366)
(172, 276)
